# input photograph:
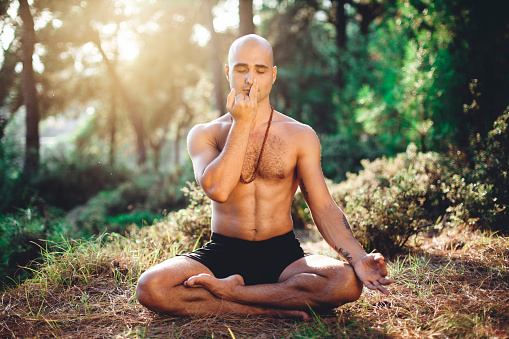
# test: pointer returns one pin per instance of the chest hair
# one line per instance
(273, 162)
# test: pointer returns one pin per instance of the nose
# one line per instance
(250, 77)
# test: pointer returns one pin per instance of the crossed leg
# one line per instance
(183, 286)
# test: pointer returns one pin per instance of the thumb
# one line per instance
(230, 100)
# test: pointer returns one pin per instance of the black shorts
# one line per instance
(258, 262)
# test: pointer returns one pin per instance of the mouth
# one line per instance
(247, 90)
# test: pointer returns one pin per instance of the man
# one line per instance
(250, 162)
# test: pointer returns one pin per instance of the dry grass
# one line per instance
(452, 286)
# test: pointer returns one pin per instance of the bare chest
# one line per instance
(275, 162)
(272, 161)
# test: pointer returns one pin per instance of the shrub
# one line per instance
(140, 200)
(393, 199)
(342, 154)
(67, 182)
(21, 236)
(300, 211)
(485, 191)
(12, 182)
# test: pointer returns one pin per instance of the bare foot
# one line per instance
(225, 289)
(221, 288)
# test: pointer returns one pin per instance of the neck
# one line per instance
(263, 112)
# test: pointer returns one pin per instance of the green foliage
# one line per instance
(69, 181)
(140, 200)
(342, 154)
(306, 60)
(486, 188)
(300, 211)
(193, 222)
(12, 182)
(21, 237)
(393, 199)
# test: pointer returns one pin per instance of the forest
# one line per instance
(409, 98)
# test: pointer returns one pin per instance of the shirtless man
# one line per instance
(250, 162)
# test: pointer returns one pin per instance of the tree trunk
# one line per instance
(246, 25)
(176, 148)
(7, 81)
(339, 21)
(156, 149)
(368, 12)
(215, 62)
(134, 115)
(31, 164)
(113, 126)
(3, 124)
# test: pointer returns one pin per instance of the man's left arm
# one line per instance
(331, 221)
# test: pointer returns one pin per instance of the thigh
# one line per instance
(315, 264)
(175, 271)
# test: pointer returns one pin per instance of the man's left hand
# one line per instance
(372, 271)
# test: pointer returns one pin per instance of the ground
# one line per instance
(455, 285)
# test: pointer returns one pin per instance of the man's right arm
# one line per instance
(218, 172)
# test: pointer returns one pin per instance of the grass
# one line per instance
(455, 285)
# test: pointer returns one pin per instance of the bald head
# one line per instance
(251, 60)
(250, 41)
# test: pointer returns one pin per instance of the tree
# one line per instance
(29, 92)
(131, 105)
(8, 76)
(246, 25)
(214, 59)
(304, 51)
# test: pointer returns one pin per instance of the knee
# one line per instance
(344, 287)
(145, 289)
(149, 291)
(353, 284)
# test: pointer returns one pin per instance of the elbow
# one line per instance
(215, 193)
(217, 190)
(217, 196)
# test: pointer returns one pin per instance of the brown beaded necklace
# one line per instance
(253, 176)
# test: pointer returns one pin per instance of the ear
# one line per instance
(274, 74)
(227, 71)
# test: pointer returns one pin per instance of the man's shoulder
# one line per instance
(302, 136)
(294, 125)
(297, 129)
(216, 123)
(210, 126)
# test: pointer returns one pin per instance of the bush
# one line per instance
(486, 188)
(342, 154)
(22, 235)
(141, 200)
(393, 199)
(12, 182)
(67, 182)
(300, 211)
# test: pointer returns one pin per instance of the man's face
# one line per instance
(251, 60)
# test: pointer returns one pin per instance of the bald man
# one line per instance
(250, 162)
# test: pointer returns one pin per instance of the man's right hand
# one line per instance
(243, 107)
